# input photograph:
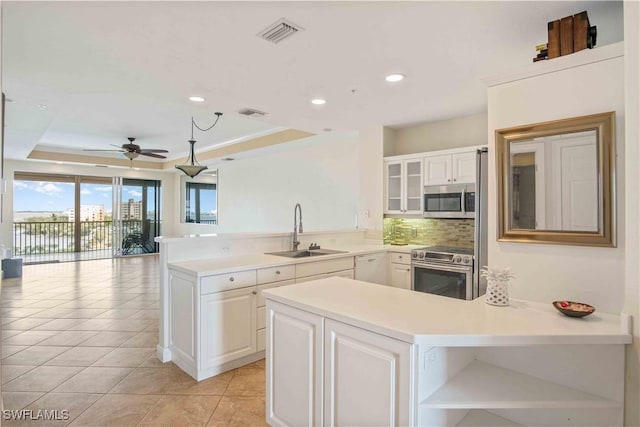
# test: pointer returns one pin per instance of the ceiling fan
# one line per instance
(131, 150)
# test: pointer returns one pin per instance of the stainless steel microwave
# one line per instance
(450, 201)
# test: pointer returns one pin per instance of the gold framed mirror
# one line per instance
(556, 182)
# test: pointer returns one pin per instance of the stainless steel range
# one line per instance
(445, 271)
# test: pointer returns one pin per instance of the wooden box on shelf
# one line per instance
(570, 34)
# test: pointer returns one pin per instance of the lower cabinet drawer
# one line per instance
(322, 267)
(310, 278)
(262, 337)
(276, 274)
(223, 282)
(400, 258)
(262, 318)
(348, 274)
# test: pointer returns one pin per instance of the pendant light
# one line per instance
(192, 168)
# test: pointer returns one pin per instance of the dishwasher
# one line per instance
(372, 268)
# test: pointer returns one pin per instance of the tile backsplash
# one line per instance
(429, 232)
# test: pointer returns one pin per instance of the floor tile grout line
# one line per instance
(151, 409)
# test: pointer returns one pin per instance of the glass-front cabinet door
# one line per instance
(413, 187)
(393, 203)
(403, 187)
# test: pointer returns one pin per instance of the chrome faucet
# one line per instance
(296, 229)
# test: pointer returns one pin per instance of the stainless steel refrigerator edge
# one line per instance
(480, 240)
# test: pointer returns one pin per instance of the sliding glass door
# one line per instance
(136, 216)
(61, 217)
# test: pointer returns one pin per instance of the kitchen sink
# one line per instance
(306, 253)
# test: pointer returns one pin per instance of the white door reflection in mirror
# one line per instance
(577, 179)
(554, 183)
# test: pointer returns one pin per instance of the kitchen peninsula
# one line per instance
(213, 311)
(407, 358)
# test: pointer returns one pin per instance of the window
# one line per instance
(201, 203)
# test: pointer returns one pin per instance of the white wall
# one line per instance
(632, 178)
(371, 177)
(168, 196)
(258, 193)
(551, 272)
(441, 135)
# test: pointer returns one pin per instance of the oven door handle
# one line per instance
(440, 267)
(462, 203)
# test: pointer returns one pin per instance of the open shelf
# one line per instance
(484, 386)
(480, 418)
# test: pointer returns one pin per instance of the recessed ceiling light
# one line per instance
(59, 163)
(42, 106)
(318, 101)
(327, 129)
(394, 78)
(196, 99)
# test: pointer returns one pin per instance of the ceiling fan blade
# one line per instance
(152, 150)
(113, 151)
(157, 156)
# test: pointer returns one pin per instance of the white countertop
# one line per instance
(433, 320)
(230, 264)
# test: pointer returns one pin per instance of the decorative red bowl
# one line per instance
(573, 309)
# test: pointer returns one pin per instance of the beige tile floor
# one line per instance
(81, 337)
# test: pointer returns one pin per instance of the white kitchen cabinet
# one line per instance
(228, 326)
(323, 372)
(437, 170)
(403, 189)
(401, 276)
(526, 367)
(464, 167)
(324, 268)
(456, 168)
(367, 377)
(400, 270)
(294, 371)
(372, 268)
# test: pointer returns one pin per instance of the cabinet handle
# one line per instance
(400, 256)
(408, 269)
(448, 180)
(454, 180)
(231, 279)
(277, 271)
(254, 292)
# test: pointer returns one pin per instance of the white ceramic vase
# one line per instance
(497, 292)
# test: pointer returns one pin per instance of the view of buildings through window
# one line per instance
(46, 221)
(201, 203)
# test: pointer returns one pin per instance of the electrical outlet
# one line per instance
(225, 249)
(430, 358)
(366, 213)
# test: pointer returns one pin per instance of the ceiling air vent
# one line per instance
(279, 30)
(250, 112)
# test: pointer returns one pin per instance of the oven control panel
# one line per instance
(425, 255)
